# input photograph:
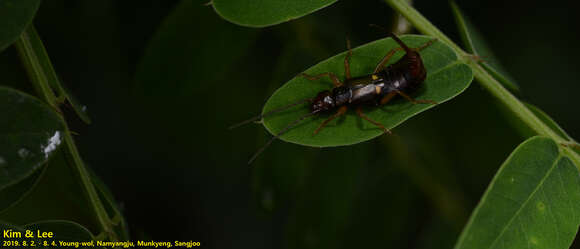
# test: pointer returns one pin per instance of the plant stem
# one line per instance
(29, 47)
(34, 69)
(94, 200)
(484, 78)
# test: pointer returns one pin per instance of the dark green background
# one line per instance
(179, 174)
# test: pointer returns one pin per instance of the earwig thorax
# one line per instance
(324, 101)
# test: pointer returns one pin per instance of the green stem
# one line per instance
(93, 196)
(29, 47)
(484, 78)
(35, 71)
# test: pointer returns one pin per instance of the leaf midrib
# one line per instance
(450, 65)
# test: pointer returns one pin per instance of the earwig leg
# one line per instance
(427, 44)
(346, 59)
(332, 76)
(387, 98)
(362, 115)
(341, 111)
(414, 101)
(386, 59)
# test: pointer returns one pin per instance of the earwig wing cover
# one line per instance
(446, 78)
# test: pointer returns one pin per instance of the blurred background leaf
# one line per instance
(15, 15)
(175, 61)
(11, 195)
(265, 13)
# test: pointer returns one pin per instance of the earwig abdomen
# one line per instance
(364, 93)
(406, 75)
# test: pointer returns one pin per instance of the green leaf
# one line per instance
(532, 202)
(446, 78)
(13, 194)
(35, 49)
(30, 132)
(15, 15)
(475, 44)
(264, 13)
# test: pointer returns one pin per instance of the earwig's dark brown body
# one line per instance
(406, 75)
(400, 78)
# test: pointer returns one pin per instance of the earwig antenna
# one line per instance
(407, 49)
(269, 113)
(379, 27)
(289, 126)
(391, 34)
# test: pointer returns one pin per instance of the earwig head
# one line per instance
(322, 102)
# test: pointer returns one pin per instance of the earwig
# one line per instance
(400, 78)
